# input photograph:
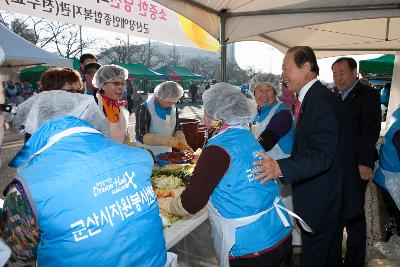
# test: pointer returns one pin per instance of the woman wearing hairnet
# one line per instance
(110, 79)
(157, 120)
(65, 79)
(273, 127)
(249, 224)
(273, 123)
(60, 209)
(57, 80)
(387, 173)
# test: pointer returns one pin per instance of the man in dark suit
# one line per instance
(363, 124)
(315, 168)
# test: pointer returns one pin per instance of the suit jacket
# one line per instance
(363, 125)
(315, 168)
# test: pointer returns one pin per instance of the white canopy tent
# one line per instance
(19, 52)
(330, 27)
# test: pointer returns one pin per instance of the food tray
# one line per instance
(166, 162)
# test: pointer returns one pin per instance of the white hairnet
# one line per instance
(271, 79)
(37, 110)
(223, 101)
(169, 91)
(107, 73)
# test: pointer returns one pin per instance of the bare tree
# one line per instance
(3, 17)
(62, 37)
(250, 72)
(204, 66)
(121, 52)
(143, 53)
(157, 60)
(20, 25)
(139, 53)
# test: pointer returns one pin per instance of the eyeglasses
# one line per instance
(117, 83)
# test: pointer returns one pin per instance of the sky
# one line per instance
(268, 59)
(258, 55)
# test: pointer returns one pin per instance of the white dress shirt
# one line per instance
(305, 89)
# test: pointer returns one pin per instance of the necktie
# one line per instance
(297, 106)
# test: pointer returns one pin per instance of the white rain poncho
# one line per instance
(108, 73)
(169, 91)
(269, 78)
(48, 105)
(224, 102)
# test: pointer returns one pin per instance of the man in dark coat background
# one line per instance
(315, 167)
(363, 124)
(193, 91)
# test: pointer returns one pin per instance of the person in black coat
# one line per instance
(315, 167)
(363, 124)
(193, 91)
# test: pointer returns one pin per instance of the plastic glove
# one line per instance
(165, 204)
(128, 141)
(173, 206)
(160, 140)
(183, 147)
(181, 137)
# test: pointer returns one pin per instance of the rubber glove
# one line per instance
(160, 140)
(173, 206)
(181, 137)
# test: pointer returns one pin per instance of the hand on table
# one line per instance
(165, 204)
(184, 147)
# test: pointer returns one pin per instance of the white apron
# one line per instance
(5, 253)
(262, 125)
(118, 129)
(276, 153)
(224, 229)
(392, 182)
(172, 260)
(159, 126)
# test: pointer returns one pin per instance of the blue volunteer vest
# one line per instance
(388, 158)
(239, 195)
(396, 114)
(286, 142)
(93, 200)
(385, 93)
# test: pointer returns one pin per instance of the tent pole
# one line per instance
(394, 100)
(149, 55)
(80, 38)
(222, 43)
(387, 29)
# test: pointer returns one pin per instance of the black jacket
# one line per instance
(363, 125)
(315, 168)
